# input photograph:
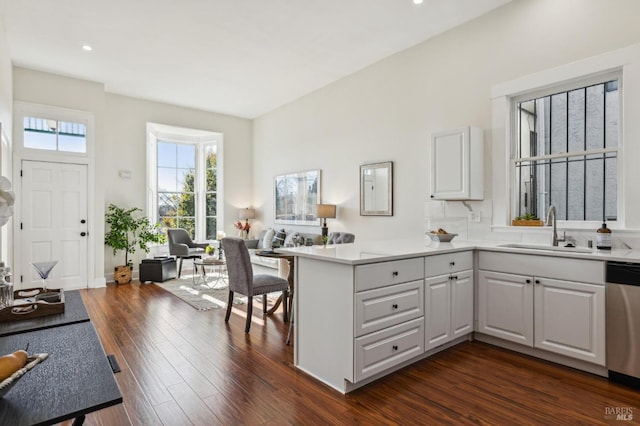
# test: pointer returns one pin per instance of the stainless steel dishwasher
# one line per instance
(623, 322)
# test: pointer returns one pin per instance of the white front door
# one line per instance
(54, 223)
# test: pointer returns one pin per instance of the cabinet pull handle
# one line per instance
(394, 273)
(528, 281)
(452, 263)
(395, 347)
(394, 306)
(537, 281)
(454, 277)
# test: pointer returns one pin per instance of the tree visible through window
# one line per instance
(566, 153)
(177, 196)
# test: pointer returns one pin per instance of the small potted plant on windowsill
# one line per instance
(527, 220)
(127, 231)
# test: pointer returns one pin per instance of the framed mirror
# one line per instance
(296, 197)
(376, 189)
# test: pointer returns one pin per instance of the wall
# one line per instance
(120, 124)
(125, 136)
(6, 124)
(388, 110)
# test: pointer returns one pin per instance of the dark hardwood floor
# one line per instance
(181, 367)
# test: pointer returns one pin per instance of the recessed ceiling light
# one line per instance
(87, 48)
(417, 1)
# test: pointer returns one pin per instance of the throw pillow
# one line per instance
(267, 241)
(279, 237)
(261, 238)
(290, 241)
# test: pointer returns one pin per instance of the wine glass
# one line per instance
(44, 269)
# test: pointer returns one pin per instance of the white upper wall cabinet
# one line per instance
(457, 164)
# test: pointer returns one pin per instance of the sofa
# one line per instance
(273, 238)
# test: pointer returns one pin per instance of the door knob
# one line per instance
(82, 234)
(83, 221)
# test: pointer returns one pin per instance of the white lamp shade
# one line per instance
(247, 213)
(326, 211)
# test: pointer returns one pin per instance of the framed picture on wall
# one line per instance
(296, 196)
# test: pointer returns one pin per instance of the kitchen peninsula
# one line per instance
(365, 310)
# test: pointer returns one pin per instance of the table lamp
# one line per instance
(246, 214)
(326, 211)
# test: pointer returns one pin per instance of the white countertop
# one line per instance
(381, 251)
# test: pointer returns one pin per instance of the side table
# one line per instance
(219, 264)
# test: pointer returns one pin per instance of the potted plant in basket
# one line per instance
(128, 231)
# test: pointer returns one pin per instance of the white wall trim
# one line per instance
(21, 109)
(600, 64)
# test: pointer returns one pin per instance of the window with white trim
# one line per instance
(54, 135)
(565, 151)
(183, 179)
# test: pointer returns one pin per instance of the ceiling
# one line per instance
(238, 57)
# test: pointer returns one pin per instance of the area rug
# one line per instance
(201, 296)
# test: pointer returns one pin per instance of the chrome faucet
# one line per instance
(552, 222)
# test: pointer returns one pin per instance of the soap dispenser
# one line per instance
(603, 238)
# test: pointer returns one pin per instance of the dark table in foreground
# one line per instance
(75, 380)
(74, 312)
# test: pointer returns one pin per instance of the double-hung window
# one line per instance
(183, 180)
(565, 151)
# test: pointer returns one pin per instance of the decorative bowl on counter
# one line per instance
(443, 238)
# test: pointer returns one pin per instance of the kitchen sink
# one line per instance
(548, 248)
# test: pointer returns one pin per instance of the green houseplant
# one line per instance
(128, 230)
(527, 220)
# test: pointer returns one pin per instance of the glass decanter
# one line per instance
(44, 269)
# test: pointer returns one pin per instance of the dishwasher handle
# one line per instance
(623, 273)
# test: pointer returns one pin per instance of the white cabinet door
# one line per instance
(570, 319)
(437, 310)
(461, 304)
(448, 308)
(505, 306)
(457, 164)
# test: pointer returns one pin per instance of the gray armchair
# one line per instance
(242, 280)
(341, 238)
(182, 246)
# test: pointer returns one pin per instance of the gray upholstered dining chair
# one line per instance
(182, 246)
(341, 238)
(243, 281)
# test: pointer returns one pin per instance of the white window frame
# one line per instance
(625, 61)
(200, 139)
(564, 87)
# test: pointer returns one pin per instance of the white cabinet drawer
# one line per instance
(383, 274)
(387, 306)
(445, 263)
(561, 268)
(384, 349)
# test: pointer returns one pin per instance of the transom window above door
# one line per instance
(54, 135)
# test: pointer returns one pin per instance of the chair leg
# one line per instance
(179, 267)
(290, 326)
(264, 304)
(229, 303)
(285, 304)
(249, 314)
